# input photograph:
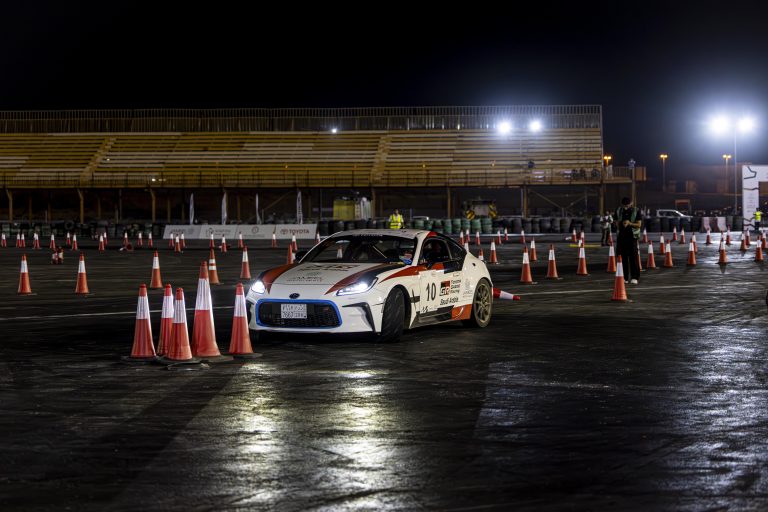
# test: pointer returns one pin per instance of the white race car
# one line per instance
(373, 281)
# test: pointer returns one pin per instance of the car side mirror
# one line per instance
(300, 255)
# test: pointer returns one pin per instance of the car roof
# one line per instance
(402, 233)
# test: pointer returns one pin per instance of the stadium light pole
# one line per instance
(663, 157)
(727, 157)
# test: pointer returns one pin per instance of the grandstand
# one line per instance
(377, 150)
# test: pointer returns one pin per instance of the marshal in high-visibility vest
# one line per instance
(396, 220)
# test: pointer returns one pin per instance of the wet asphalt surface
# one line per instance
(568, 401)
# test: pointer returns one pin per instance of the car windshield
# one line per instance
(363, 249)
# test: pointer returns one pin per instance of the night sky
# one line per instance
(660, 72)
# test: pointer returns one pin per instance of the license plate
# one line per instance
(296, 311)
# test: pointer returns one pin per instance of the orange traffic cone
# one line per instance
(582, 270)
(82, 281)
(101, 243)
(23, 242)
(749, 242)
(461, 238)
(533, 251)
(758, 252)
(179, 349)
(477, 238)
(723, 260)
(492, 259)
(245, 271)
(149, 240)
(211, 244)
(709, 237)
(18, 240)
(668, 255)
(674, 234)
(498, 237)
(645, 236)
(502, 295)
(140, 241)
(182, 242)
(466, 247)
(106, 241)
(176, 244)
(619, 290)
(69, 239)
(240, 341)
(143, 345)
(522, 236)
(611, 259)
(610, 238)
(274, 241)
(166, 322)
(292, 256)
(3, 242)
(525, 276)
(582, 240)
(24, 286)
(212, 272)
(728, 237)
(650, 263)
(743, 246)
(125, 239)
(552, 264)
(682, 236)
(203, 330)
(573, 236)
(52, 245)
(171, 240)
(763, 243)
(223, 246)
(317, 237)
(480, 255)
(294, 244)
(156, 283)
(661, 245)
(691, 256)
(693, 241)
(240, 244)
(35, 241)
(506, 236)
(74, 242)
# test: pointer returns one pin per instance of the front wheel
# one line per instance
(482, 305)
(393, 316)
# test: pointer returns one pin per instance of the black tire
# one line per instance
(482, 305)
(393, 317)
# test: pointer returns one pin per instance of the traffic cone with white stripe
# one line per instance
(749, 241)
(211, 244)
(492, 259)
(573, 236)
(480, 255)
(645, 236)
(223, 246)
(212, 272)
(143, 345)
(203, 330)
(674, 234)
(106, 241)
(69, 239)
(743, 246)
(668, 255)
(140, 241)
(582, 240)
(101, 243)
(157, 281)
(35, 241)
(610, 238)
(650, 263)
(709, 237)
(240, 243)
(758, 252)
(691, 256)
(466, 246)
(619, 290)
(24, 286)
(74, 242)
(611, 259)
(477, 238)
(179, 349)
(182, 242)
(506, 236)
(525, 276)
(498, 237)
(502, 295)
(240, 341)
(171, 240)
(177, 244)
(762, 241)
(682, 236)
(661, 245)
(467, 238)
(291, 258)
(52, 245)
(23, 242)
(274, 241)
(18, 240)
(582, 269)
(723, 260)
(533, 251)
(552, 264)
(728, 237)
(166, 322)
(3, 242)
(461, 238)
(149, 240)
(245, 271)
(294, 244)
(125, 239)
(82, 280)
(522, 236)
(317, 237)
(693, 241)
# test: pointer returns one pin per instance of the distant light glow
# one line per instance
(535, 125)
(504, 127)
(746, 124)
(334, 130)
(719, 124)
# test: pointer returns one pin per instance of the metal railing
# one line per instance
(297, 119)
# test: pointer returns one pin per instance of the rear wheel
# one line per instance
(482, 306)
(393, 317)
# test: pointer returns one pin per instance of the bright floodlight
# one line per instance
(746, 124)
(719, 124)
(504, 127)
(334, 130)
(535, 125)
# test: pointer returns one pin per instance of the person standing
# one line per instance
(606, 222)
(628, 223)
(758, 219)
(396, 220)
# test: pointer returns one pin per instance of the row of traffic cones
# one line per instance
(25, 287)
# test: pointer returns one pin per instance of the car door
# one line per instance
(434, 255)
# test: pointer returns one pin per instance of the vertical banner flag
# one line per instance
(299, 213)
(191, 209)
(258, 215)
(224, 208)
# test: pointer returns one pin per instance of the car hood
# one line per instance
(333, 276)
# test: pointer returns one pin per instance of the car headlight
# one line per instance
(258, 287)
(358, 287)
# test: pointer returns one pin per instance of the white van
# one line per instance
(672, 214)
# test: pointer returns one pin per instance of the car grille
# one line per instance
(318, 315)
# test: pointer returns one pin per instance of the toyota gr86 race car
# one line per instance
(373, 281)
